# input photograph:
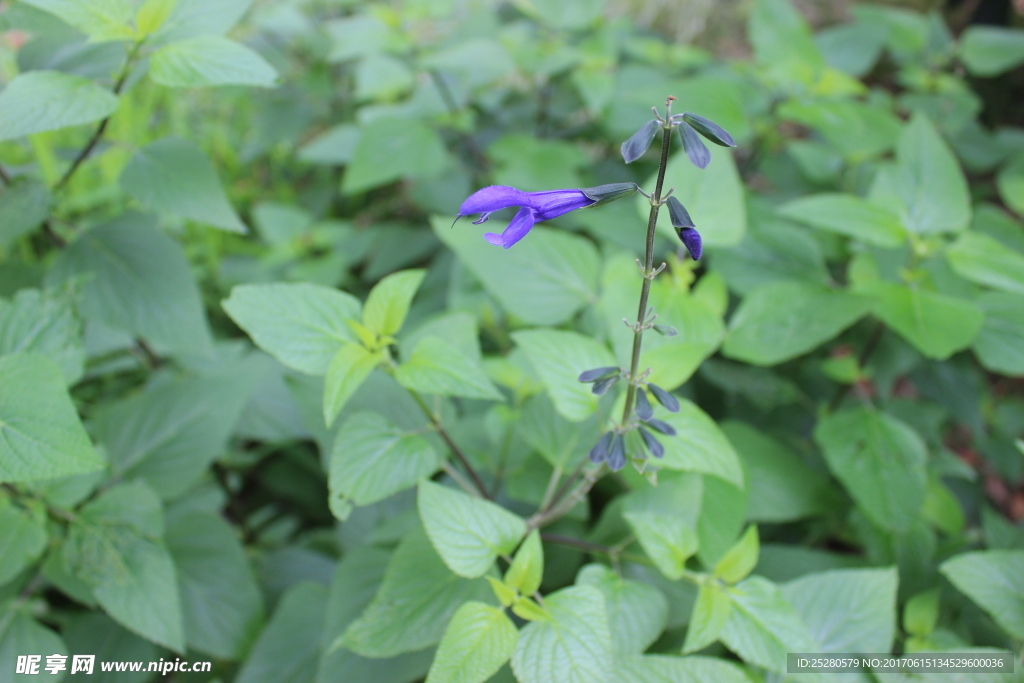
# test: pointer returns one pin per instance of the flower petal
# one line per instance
(516, 230)
(493, 198)
(691, 238)
(554, 203)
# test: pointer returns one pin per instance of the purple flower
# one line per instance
(535, 206)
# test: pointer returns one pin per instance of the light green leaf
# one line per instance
(762, 626)
(170, 434)
(414, 604)
(991, 50)
(986, 261)
(865, 597)
(20, 634)
(151, 15)
(935, 324)
(300, 324)
(348, 369)
(848, 215)
(527, 568)
(175, 176)
(22, 537)
(393, 148)
(138, 280)
(543, 280)
(740, 559)
(478, 641)
(1000, 344)
(41, 436)
(24, 205)
(561, 442)
(699, 445)
(668, 669)
(710, 613)
(713, 196)
(573, 646)
(1010, 183)
(101, 20)
(858, 130)
(559, 357)
(664, 519)
(994, 580)
(783, 320)
(926, 187)
(637, 612)
(388, 303)
(222, 607)
(198, 17)
(781, 487)
(372, 459)
(921, 613)
(131, 575)
(723, 509)
(382, 77)
(209, 61)
(468, 533)
(288, 649)
(39, 322)
(880, 461)
(437, 367)
(38, 101)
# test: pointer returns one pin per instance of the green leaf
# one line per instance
(468, 533)
(880, 461)
(437, 367)
(527, 568)
(388, 303)
(222, 607)
(39, 101)
(921, 613)
(544, 280)
(478, 641)
(22, 537)
(372, 459)
(865, 597)
(740, 559)
(783, 320)
(664, 520)
(762, 626)
(926, 187)
(198, 17)
(561, 442)
(858, 130)
(935, 324)
(393, 148)
(24, 205)
(573, 646)
(668, 669)
(170, 434)
(38, 322)
(348, 370)
(1000, 343)
(300, 324)
(710, 613)
(209, 61)
(992, 579)
(101, 20)
(151, 15)
(138, 280)
(986, 261)
(559, 357)
(414, 604)
(991, 50)
(1010, 183)
(175, 176)
(699, 445)
(111, 547)
(20, 634)
(41, 436)
(781, 487)
(288, 649)
(848, 215)
(713, 196)
(99, 635)
(637, 612)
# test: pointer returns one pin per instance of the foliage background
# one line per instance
(848, 359)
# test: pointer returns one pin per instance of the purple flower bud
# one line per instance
(617, 455)
(653, 445)
(599, 453)
(643, 406)
(535, 207)
(691, 238)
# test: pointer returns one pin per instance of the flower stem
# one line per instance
(645, 290)
(456, 451)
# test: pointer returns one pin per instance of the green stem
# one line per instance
(645, 289)
(456, 451)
